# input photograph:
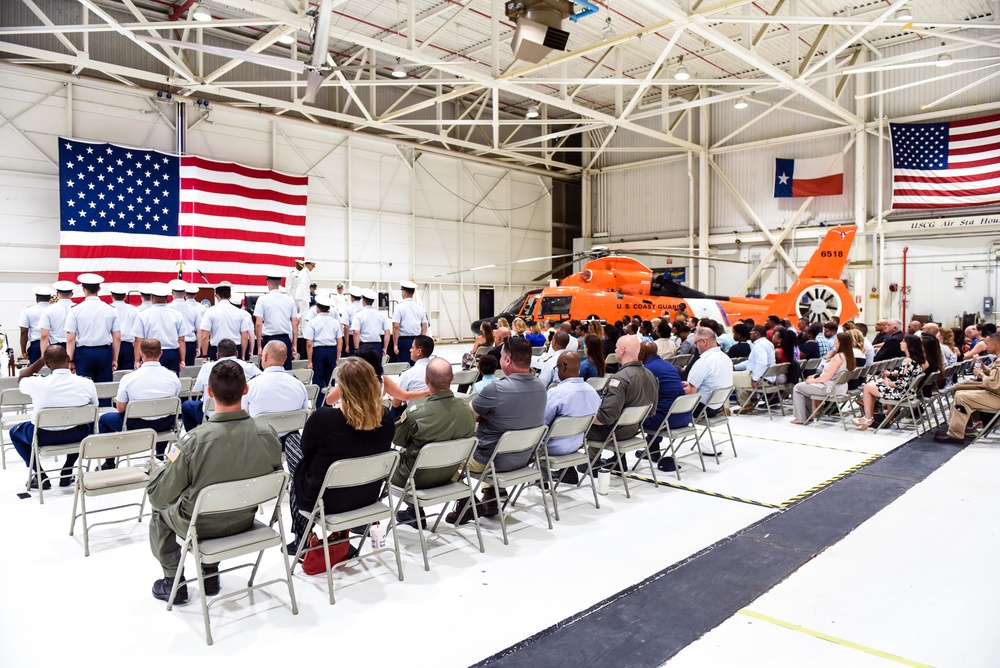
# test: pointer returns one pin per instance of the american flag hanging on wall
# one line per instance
(946, 165)
(131, 215)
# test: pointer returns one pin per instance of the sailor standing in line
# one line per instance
(352, 310)
(324, 342)
(293, 280)
(408, 321)
(164, 324)
(53, 321)
(225, 320)
(305, 316)
(178, 288)
(144, 301)
(240, 302)
(276, 319)
(370, 326)
(93, 334)
(126, 319)
(191, 299)
(30, 323)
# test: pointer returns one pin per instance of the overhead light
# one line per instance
(399, 71)
(681, 74)
(741, 103)
(200, 13)
(532, 112)
(607, 30)
(944, 59)
(904, 14)
(287, 39)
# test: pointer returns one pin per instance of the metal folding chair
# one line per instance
(107, 391)
(118, 375)
(677, 436)
(312, 391)
(831, 398)
(50, 418)
(708, 424)
(767, 390)
(13, 410)
(467, 377)
(285, 422)
(304, 375)
(632, 416)
(300, 364)
(907, 401)
(598, 382)
(566, 427)
(394, 368)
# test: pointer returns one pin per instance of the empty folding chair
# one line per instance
(190, 371)
(711, 424)
(467, 377)
(187, 389)
(681, 361)
(440, 455)
(13, 411)
(118, 375)
(394, 368)
(300, 364)
(808, 366)
(677, 436)
(51, 418)
(566, 427)
(537, 350)
(332, 380)
(354, 472)
(304, 375)
(96, 449)
(632, 416)
(312, 391)
(227, 497)
(106, 391)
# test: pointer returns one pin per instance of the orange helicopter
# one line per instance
(611, 287)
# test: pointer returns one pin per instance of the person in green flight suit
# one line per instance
(230, 446)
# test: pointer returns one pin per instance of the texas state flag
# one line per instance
(812, 177)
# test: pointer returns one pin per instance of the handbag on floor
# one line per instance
(313, 563)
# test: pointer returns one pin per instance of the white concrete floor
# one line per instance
(915, 581)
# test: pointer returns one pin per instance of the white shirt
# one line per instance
(410, 315)
(352, 310)
(161, 323)
(712, 371)
(60, 389)
(869, 352)
(225, 321)
(573, 345)
(188, 317)
(92, 321)
(414, 379)
(201, 382)
(547, 372)
(302, 289)
(275, 391)
(31, 319)
(150, 381)
(341, 302)
(276, 312)
(305, 315)
(371, 323)
(54, 320)
(324, 330)
(760, 360)
(144, 305)
(127, 315)
(197, 308)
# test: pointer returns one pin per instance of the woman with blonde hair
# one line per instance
(502, 322)
(359, 427)
(519, 327)
(535, 336)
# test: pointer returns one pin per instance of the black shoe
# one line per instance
(213, 582)
(66, 475)
(409, 516)
(359, 531)
(581, 468)
(45, 482)
(610, 464)
(161, 590)
(108, 465)
(567, 476)
(667, 464)
(945, 437)
(655, 455)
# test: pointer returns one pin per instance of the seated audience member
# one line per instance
(547, 367)
(388, 385)
(827, 337)
(880, 335)
(959, 335)
(858, 352)
(892, 385)
(914, 327)
(809, 348)
(443, 417)
(646, 331)
(670, 387)
(149, 381)
(230, 446)
(891, 345)
(741, 347)
(610, 340)
(665, 347)
(752, 371)
(572, 397)
(593, 365)
(485, 337)
(978, 346)
(726, 340)
(499, 336)
(934, 357)
(413, 379)
(516, 401)
(947, 338)
(970, 397)
(713, 371)
(596, 328)
(60, 389)
(488, 369)
(632, 385)
(359, 427)
(192, 412)
(519, 327)
(869, 348)
(807, 393)
(686, 345)
(570, 329)
(535, 336)
(275, 391)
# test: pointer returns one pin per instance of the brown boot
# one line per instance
(489, 506)
(461, 515)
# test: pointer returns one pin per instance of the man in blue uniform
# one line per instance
(30, 323)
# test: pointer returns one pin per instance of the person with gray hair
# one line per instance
(890, 346)
(712, 371)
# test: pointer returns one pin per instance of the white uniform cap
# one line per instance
(408, 285)
(117, 288)
(308, 261)
(300, 261)
(191, 289)
(43, 291)
(90, 279)
(356, 292)
(144, 289)
(340, 285)
(324, 300)
(64, 286)
(177, 285)
(370, 295)
(159, 289)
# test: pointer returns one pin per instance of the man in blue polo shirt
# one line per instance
(669, 379)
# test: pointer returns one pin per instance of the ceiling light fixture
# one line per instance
(288, 38)
(944, 59)
(200, 13)
(681, 74)
(399, 71)
(741, 103)
(532, 112)
(607, 30)
(904, 14)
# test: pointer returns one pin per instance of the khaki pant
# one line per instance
(970, 401)
(474, 467)
(743, 382)
(803, 396)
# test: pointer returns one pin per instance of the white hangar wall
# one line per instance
(377, 214)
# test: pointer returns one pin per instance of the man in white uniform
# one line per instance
(192, 410)
(340, 302)
(409, 320)
(277, 319)
(163, 324)
(93, 334)
(274, 391)
(53, 321)
(179, 303)
(370, 327)
(30, 323)
(352, 310)
(127, 315)
(324, 336)
(414, 379)
(225, 320)
(301, 294)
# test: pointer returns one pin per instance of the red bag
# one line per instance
(313, 563)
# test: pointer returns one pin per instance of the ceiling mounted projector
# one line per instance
(539, 27)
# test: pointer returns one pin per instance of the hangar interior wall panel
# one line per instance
(374, 217)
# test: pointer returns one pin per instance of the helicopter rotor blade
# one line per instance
(691, 257)
(553, 270)
(501, 264)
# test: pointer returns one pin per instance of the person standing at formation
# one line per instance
(352, 310)
(163, 324)
(30, 323)
(178, 288)
(301, 293)
(370, 327)
(277, 319)
(197, 308)
(409, 320)
(93, 334)
(324, 337)
(225, 320)
(53, 320)
(127, 315)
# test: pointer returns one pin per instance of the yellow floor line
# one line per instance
(833, 639)
(812, 490)
(810, 445)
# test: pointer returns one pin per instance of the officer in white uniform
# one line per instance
(240, 302)
(340, 303)
(178, 289)
(414, 379)
(30, 323)
(352, 310)
(144, 301)
(149, 381)
(301, 294)
(277, 318)
(225, 320)
(53, 320)
(292, 282)
(274, 391)
(409, 320)
(370, 327)
(191, 297)
(324, 341)
(127, 315)
(93, 334)
(164, 324)
(192, 410)
(305, 316)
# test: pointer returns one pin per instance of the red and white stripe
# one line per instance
(972, 177)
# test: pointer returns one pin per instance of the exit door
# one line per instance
(487, 308)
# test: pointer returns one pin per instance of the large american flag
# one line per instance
(946, 165)
(132, 215)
